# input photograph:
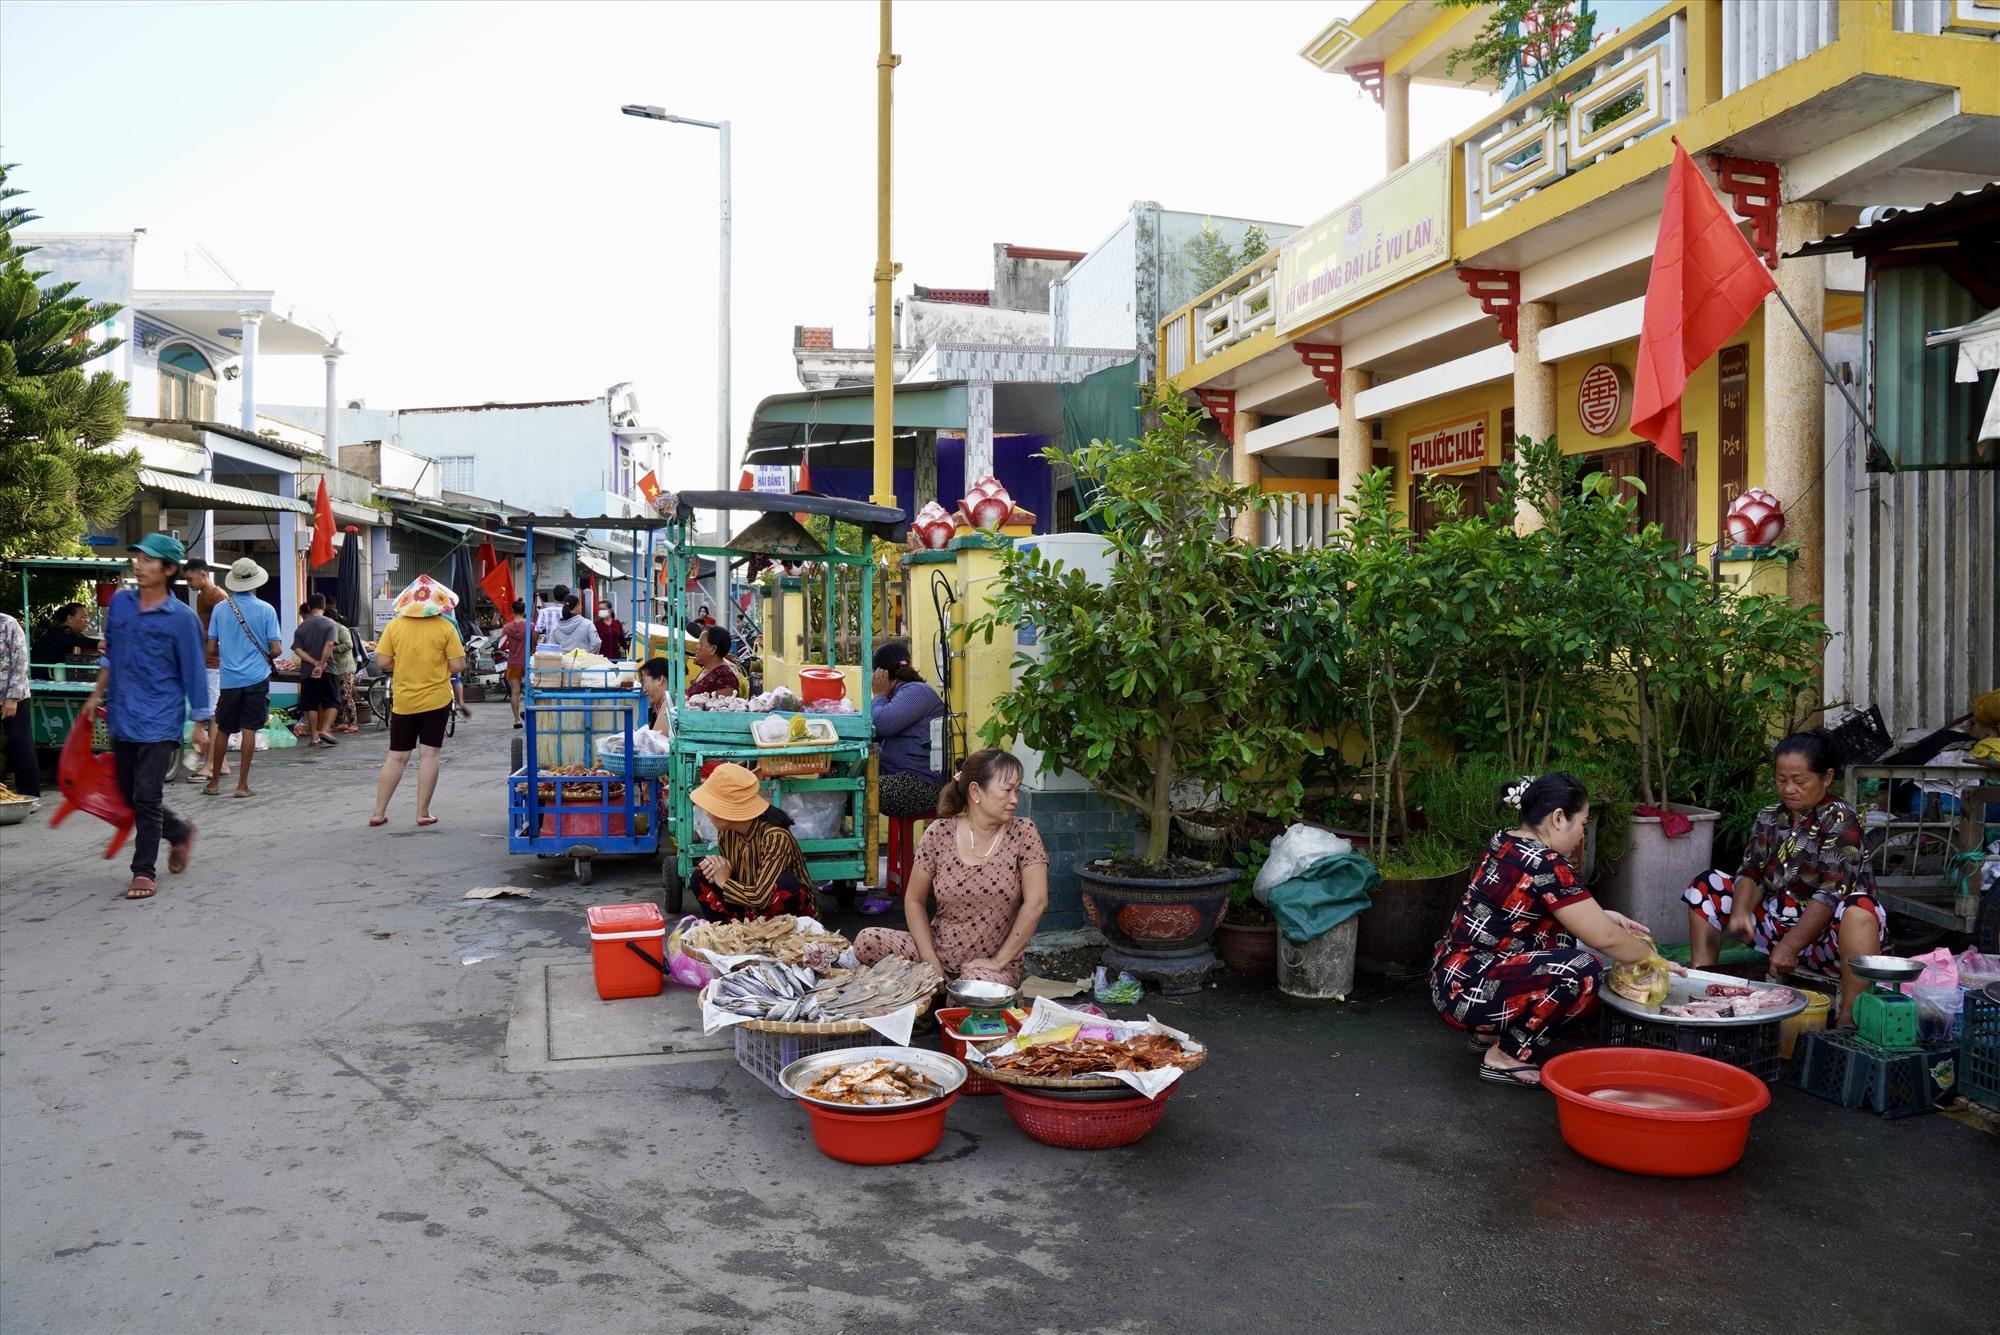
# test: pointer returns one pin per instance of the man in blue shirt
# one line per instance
(243, 632)
(152, 677)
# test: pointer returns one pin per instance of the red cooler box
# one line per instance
(615, 930)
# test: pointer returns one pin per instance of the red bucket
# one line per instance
(1654, 1141)
(822, 683)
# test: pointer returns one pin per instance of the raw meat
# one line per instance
(1726, 990)
(1697, 1010)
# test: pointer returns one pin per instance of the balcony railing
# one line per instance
(1631, 87)
(1221, 317)
(1758, 40)
(1296, 522)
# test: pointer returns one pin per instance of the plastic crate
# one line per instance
(1755, 1048)
(1836, 1066)
(767, 1055)
(1979, 1051)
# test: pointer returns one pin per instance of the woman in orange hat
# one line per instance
(758, 870)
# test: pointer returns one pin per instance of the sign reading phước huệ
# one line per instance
(1456, 446)
(1604, 399)
(1397, 229)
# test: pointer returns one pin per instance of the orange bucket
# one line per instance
(628, 950)
(822, 683)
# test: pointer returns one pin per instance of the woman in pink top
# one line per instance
(987, 871)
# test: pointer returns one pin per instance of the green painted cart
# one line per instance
(57, 690)
(703, 737)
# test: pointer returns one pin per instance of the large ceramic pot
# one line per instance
(1648, 881)
(1402, 925)
(1159, 930)
(1248, 948)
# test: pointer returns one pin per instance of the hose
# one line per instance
(943, 599)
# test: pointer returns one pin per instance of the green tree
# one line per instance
(56, 477)
(1522, 42)
(1163, 672)
(1210, 258)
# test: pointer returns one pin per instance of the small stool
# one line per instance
(902, 852)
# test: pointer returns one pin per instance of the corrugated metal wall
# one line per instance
(1911, 567)
(1924, 417)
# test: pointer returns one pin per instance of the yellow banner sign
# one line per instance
(1394, 231)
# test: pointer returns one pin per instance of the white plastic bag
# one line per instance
(1291, 853)
(815, 815)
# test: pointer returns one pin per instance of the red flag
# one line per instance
(746, 482)
(322, 545)
(649, 487)
(498, 582)
(1706, 282)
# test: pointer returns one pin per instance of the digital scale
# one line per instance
(1884, 1018)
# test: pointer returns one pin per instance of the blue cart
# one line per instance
(553, 811)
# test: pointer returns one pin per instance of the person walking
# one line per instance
(313, 640)
(514, 654)
(243, 634)
(14, 711)
(548, 614)
(610, 632)
(422, 653)
(573, 630)
(151, 680)
(207, 597)
(346, 645)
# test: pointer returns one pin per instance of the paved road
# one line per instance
(273, 1099)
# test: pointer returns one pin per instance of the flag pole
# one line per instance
(1833, 377)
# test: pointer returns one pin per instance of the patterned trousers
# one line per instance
(1523, 998)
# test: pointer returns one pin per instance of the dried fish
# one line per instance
(874, 1083)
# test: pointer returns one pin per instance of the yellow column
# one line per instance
(1396, 120)
(886, 268)
(985, 671)
(1794, 398)
(1357, 437)
(1534, 393)
(1246, 470)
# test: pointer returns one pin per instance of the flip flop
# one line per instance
(244, 792)
(328, 741)
(1516, 1077)
(212, 790)
(373, 821)
(1479, 1043)
(142, 887)
(178, 855)
(427, 821)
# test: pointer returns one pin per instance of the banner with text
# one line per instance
(1396, 230)
(1455, 446)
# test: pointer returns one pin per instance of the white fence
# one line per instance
(1762, 38)
(1298, 522)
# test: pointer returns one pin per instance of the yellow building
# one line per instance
(1493, 285)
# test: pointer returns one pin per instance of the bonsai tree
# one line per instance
(1164, 673)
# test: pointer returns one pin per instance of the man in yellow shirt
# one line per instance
(421, 651)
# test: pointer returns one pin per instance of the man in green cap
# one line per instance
(152, 677)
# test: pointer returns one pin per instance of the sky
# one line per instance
(453, 184)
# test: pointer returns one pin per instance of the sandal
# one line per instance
(1479, 1043)
(180, 853)
(212, 789)
(425, 822)
(874, 906)
(142, 887)
(1517, 1077)
(373, 821)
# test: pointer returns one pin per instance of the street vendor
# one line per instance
(1805, 890)
(717, 675)
(759, 870)
(1511, 969)
(653, 681)
(987, 871)
(66, 642)
(905, 709)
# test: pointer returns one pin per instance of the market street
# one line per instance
(274, 1099)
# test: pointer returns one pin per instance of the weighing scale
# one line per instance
(986, 1001)
(1883, 1017)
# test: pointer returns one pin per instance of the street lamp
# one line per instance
(725, 613)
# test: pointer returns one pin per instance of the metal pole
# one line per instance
(1833, 378)
(722, 443)
(886, 269)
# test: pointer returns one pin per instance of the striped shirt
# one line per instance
(762, 860)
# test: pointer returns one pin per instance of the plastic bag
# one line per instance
(1977, 970)
(683, 968)
(1940, 969)
(1125, 990)
(1643, 984)
(815, 815)
(1291, 853)
(1938, 1009)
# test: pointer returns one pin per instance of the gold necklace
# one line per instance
(971, 842)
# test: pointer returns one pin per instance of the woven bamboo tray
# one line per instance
(814, 1029)
(1000, 1075)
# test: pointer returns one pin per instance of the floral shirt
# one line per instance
(13, 659)
(1806, 855)
(1511, 904)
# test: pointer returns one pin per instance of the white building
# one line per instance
(217, 473)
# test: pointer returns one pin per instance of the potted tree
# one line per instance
(1160, 675)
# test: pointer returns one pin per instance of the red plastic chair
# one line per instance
(902, 852)
(89, 782)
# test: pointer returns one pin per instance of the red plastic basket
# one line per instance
(948, 1021)
(1085, 1125)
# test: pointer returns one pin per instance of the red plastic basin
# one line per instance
(1658, 1142)
(877, 1137)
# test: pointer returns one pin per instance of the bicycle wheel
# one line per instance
(451, 721)
(378, 700)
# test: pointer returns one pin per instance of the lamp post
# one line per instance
(724, 612)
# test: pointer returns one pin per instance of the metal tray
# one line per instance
(1691, 987)
(947, 1072)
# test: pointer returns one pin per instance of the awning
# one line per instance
(457, 533)
(216, 496)
(597, 565)
(784, 424)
